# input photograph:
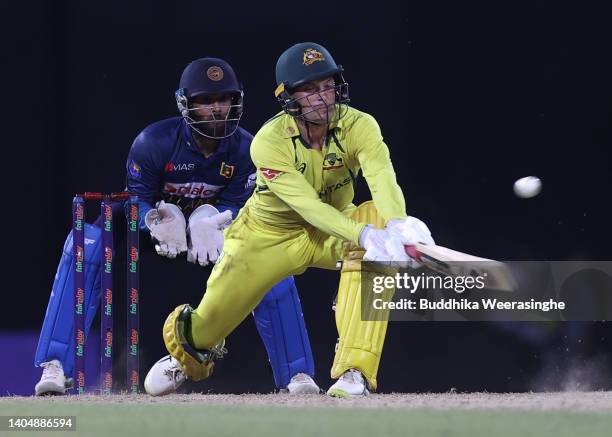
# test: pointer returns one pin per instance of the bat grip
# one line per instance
(412, 252)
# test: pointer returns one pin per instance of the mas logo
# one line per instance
(311, 56)
(170, 166)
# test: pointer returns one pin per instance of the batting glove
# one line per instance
(381, 246)
(408, 232)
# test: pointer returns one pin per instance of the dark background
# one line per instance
(469, 95)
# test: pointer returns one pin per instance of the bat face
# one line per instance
(454, 263)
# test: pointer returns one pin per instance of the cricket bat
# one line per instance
(454, 263)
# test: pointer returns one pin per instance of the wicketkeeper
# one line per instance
(192, 174)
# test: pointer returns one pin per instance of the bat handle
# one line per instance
(412, 252)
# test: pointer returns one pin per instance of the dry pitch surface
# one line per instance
(446, 414)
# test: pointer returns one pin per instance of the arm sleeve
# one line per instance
(292, 188)
(237, 192)
(144, 174)
(373, 156)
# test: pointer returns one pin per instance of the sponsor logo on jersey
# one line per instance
(269, 174)
(134, 169)
(311, 56)
(332, 162)
(301, 167)
(226, 170)
(170, 166)
(332, 188)
(193, 189)
(251, 181)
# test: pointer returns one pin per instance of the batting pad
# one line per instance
(196, 364)
(361, 342)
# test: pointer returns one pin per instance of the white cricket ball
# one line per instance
(527, 187)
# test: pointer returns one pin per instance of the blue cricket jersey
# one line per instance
(165, 163)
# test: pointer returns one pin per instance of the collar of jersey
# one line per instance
(290, 125)
(192, 145)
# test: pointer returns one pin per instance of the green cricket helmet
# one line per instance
(302, 63)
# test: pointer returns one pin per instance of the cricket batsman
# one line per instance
(301, 215)
(192, 174)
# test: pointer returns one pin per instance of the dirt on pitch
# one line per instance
(567, 401)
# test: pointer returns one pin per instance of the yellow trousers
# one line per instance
(257, 256)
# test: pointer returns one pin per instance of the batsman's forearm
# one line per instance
(386, 193)
(301, 197)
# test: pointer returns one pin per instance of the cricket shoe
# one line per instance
(53, 381)
(302, 384)
(164, 377)
(351, 383)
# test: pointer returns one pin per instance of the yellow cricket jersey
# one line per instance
(298, 185)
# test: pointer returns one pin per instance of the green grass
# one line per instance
(179, 420)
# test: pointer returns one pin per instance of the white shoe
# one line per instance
(53, 381)
(302, 384)
(351, 383)
(164, 377)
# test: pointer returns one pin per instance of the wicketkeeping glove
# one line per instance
(167, 225)
(205, 229)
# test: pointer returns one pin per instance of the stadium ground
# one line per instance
(448, 414)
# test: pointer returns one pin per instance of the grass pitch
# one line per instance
(449, 414)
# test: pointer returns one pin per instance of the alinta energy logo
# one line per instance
(269, 173)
